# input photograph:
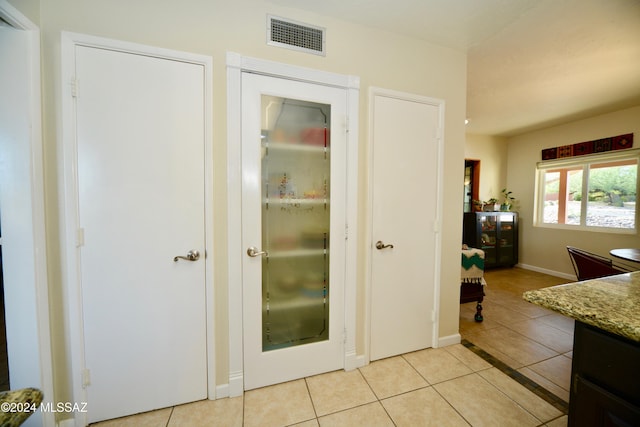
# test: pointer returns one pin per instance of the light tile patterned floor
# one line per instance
(536, 342)
(450, 386)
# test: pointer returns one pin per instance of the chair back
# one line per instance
(588, 265)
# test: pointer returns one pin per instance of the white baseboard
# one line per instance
(222, 391)
(351, 361)
(547, 271)
(236, 385)
(449, 340)
(358, 362)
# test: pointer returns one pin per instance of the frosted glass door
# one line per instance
(294, 228)
(295, 222)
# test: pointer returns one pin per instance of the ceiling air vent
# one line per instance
(295, 35)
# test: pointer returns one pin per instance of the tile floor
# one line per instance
(534, 341)
(451, 386)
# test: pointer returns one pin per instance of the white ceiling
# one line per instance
(531, 63)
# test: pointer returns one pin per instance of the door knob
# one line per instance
(254, 252)
(192, 255)
(380, 245)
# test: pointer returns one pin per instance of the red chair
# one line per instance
(588, 265)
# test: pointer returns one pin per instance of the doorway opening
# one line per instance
(471, 183)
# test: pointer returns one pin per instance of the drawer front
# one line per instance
(607, 360)
(593, 406)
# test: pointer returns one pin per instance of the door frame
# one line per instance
(21, 365)
(236, 65)
(69, 201)
(475, 179)
(439, 197)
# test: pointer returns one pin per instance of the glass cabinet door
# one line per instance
(295, 168)
(506, 238)
(488, 237)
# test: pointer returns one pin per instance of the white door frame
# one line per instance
(236, 65)
(69, 202)
(439, 197)
(22, 357)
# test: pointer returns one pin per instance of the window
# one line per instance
(596, 192)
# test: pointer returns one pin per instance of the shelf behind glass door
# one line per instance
(295, 222)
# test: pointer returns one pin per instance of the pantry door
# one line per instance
(140, 127)
(293, 228)
(406, 152)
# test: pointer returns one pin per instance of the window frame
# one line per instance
(584, 163)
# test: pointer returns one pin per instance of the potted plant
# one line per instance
(507, 200)
(491, 205)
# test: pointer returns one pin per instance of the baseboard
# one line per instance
(449, 340)
(353, 361)
(236, 384)
(547, 271)
(222, 391)
(360, 361)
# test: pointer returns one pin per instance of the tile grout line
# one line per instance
(378, 399)
(313, 405)
(523, 380)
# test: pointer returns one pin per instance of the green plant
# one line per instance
(490, 205)
(507, 198)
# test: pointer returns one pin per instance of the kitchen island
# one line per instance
(605, 374)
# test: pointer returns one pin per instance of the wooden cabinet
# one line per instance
(604, 379)
(496, 233)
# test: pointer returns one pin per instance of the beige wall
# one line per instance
(213, 28)
(545, 248)
(492, 153)
(29, 8)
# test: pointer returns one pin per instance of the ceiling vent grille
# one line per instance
(295, 35)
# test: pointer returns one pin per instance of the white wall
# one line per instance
(545, 248)
(212, 28)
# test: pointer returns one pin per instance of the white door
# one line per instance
(22, 235)
(405, 195)
(294, 218)
(140, 129)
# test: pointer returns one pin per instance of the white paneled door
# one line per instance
(294, 169)
(405, 192)
(21, 214)
(140, 132)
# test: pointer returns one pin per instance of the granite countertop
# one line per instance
(609, 303)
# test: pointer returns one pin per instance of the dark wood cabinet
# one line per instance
(496, 233)
(605, 379)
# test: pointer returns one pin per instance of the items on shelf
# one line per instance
(285, 188)
(318, 137)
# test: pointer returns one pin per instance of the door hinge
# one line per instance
(346, 232)
(79, 237)
(86, 378)
(436, 226)
(344, 336)
(74, 87)
(433, 316)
